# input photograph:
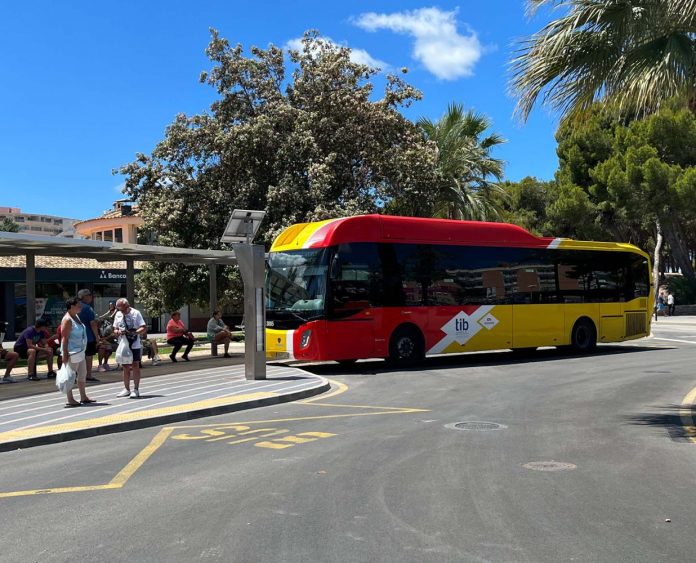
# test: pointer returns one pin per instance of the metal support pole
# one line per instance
(252, 264)
(212, 284)
(212, 273)
(130, 282)
(31, 289)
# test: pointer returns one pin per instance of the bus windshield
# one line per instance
(296, 282)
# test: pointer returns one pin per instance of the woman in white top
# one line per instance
(73, 343)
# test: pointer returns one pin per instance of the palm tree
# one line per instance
(465, 164)
(633, 53)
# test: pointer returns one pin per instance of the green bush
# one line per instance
(684, 291)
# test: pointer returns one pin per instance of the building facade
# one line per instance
(38, 224)
(119, 224)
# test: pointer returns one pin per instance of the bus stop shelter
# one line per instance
(249, 258)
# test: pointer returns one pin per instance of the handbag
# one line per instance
(131, 334)
(77, 357)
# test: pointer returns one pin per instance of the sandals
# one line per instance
(87, 401)
(71, 405)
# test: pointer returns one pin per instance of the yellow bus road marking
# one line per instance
(145, 454)
(117, 482)
(273, 445)
(245, 435)
(19, 434)
(341, 388)
(206, 432)
(58, 490)
(685, 413)
(318, 417)
(302, 438)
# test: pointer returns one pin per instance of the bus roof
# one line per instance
(389, 228)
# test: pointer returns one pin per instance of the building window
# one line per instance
(108, 236)
(98, 236)
(118, 235)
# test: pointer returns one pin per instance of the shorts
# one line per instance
(136, 354)
(91, 349)
(106, 346)
(80, 368)
(23, 353)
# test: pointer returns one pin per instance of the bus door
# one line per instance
(538, 319)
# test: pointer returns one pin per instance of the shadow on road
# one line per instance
(669, 419)
(497, 358)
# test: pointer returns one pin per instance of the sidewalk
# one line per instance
(177, 393)
(199, 359)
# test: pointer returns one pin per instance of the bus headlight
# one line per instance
(304, 341)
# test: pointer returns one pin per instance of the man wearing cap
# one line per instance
(89, 319)
(31, 345)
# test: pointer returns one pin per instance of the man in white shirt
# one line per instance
(670, 304)
(129, 324)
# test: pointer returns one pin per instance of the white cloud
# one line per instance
(439, 46)
(358, 56)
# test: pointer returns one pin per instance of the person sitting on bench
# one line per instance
(177, 336)
(9, 356)
(32, 346)
(219, 332)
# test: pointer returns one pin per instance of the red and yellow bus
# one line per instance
(401, 288)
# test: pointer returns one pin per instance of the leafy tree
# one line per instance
(526, 202)
(304, 146)
(9, 226)
(636, 54)
(468, 175)
(638, 180)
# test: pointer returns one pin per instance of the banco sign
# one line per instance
(111, 276)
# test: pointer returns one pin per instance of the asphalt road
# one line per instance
(374, 473)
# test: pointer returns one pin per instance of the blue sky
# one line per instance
(87, 85)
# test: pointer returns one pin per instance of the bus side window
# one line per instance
(355, 278)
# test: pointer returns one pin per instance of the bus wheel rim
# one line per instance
(405, 347)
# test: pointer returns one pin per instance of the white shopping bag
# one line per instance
(124, 356)
(65, 380)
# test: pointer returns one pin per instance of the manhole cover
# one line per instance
(549, 466)
(476, 425)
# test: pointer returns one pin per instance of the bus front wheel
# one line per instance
(584, 336)
(406, 347)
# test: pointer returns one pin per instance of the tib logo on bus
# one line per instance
(461, 328)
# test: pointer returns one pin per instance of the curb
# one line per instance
(162, 419)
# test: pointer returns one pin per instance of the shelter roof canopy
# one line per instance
(18, 244)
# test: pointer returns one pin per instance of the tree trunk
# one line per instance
(657, 259)
(679, 251)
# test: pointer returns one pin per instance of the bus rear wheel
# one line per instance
(406, 347)
(583, 339)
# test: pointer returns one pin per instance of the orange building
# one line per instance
(119, 224)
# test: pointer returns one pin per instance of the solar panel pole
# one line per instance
(252, 264)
